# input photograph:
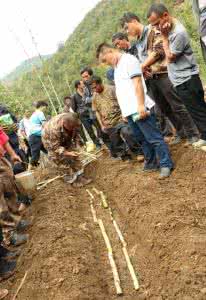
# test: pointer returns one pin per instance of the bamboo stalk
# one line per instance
(111, 259)
(20, 286)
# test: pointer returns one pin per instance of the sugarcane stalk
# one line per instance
(111, 259)
(104, 200)
(131, 268)
(96, 191)
(94, 214)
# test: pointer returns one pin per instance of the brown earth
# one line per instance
(163, 222)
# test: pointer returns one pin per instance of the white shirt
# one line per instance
(128, 68)
(25, 125)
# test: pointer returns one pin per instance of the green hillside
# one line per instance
(79, 49)
(25, 67)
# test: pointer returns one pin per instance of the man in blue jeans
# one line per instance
(137, 106)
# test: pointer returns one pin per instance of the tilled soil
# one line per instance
(163, 223)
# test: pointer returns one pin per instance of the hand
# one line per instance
(142, 112)
(71, 154)
(147, 75)
(165, 29)
(104, 129)
(124, 120)
(15, 158)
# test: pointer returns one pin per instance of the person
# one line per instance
(37, 121)
(154, 67)
(120, 40)
(136, 106)
(108, 113)
(182, 67)
(199, 8)
(24, 132)
(9, 124)
(83, 102)
(10, 218)
(59, 138)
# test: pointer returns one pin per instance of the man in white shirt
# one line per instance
(137, 106)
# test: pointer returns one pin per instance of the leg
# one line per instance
(154, 138)
(36, 145)
(178, 107)
(148, 150)
(118, 147)
(88, 126)
(129, 138)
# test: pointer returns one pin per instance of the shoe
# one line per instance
(84, 180)
(164, 173)
(199, 144)
(23, 225)
(3, 293)
(150, 170)
(177, 140)
(7, 254)
(7, 269)
(18, 239)
(126, 157)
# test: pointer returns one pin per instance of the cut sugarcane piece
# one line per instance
(104, 200)
(119, 233)
(94, 214)
(131, 269)
(111, 259)
(96, 191)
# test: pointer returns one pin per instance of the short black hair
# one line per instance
(87, 69)
(96, 79)
(101, 48)
(119, 36)
(128, 17)
(158, 8)
(67, 97)
(77, 83)
(41, 104)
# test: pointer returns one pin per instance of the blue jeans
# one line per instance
(155, 149)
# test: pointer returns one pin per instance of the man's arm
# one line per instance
(171, 57)
(139, 91)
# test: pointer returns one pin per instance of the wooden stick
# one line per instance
(20, 286)
(111, 259)
(41, 185)
(131, 268)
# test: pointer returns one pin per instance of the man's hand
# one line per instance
(165, 29)
(142, 112)
(125, 120)
(15, 158)
(71, 154)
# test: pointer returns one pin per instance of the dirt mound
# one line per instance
(163, 223)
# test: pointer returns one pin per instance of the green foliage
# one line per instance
(79, 49)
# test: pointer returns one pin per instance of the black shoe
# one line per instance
(126, 157)
(7, 269)
(18, 239)
(7, 254)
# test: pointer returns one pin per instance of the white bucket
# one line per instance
(26, 180)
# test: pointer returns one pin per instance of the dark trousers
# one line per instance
(36, 145)
(88, 124)
(119, 139)
(192, 94)
(171, 105)
(156, 151)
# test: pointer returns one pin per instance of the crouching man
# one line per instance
(59, 138)
(109, 116)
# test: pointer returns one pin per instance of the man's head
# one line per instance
(158, 14)
(41, 105)
(86, 74)
(107, 54)
(79, 85)
(131, 24)
(68, 101)
(97, 85)
(120, 40)
(27, 114)
(70, 121)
